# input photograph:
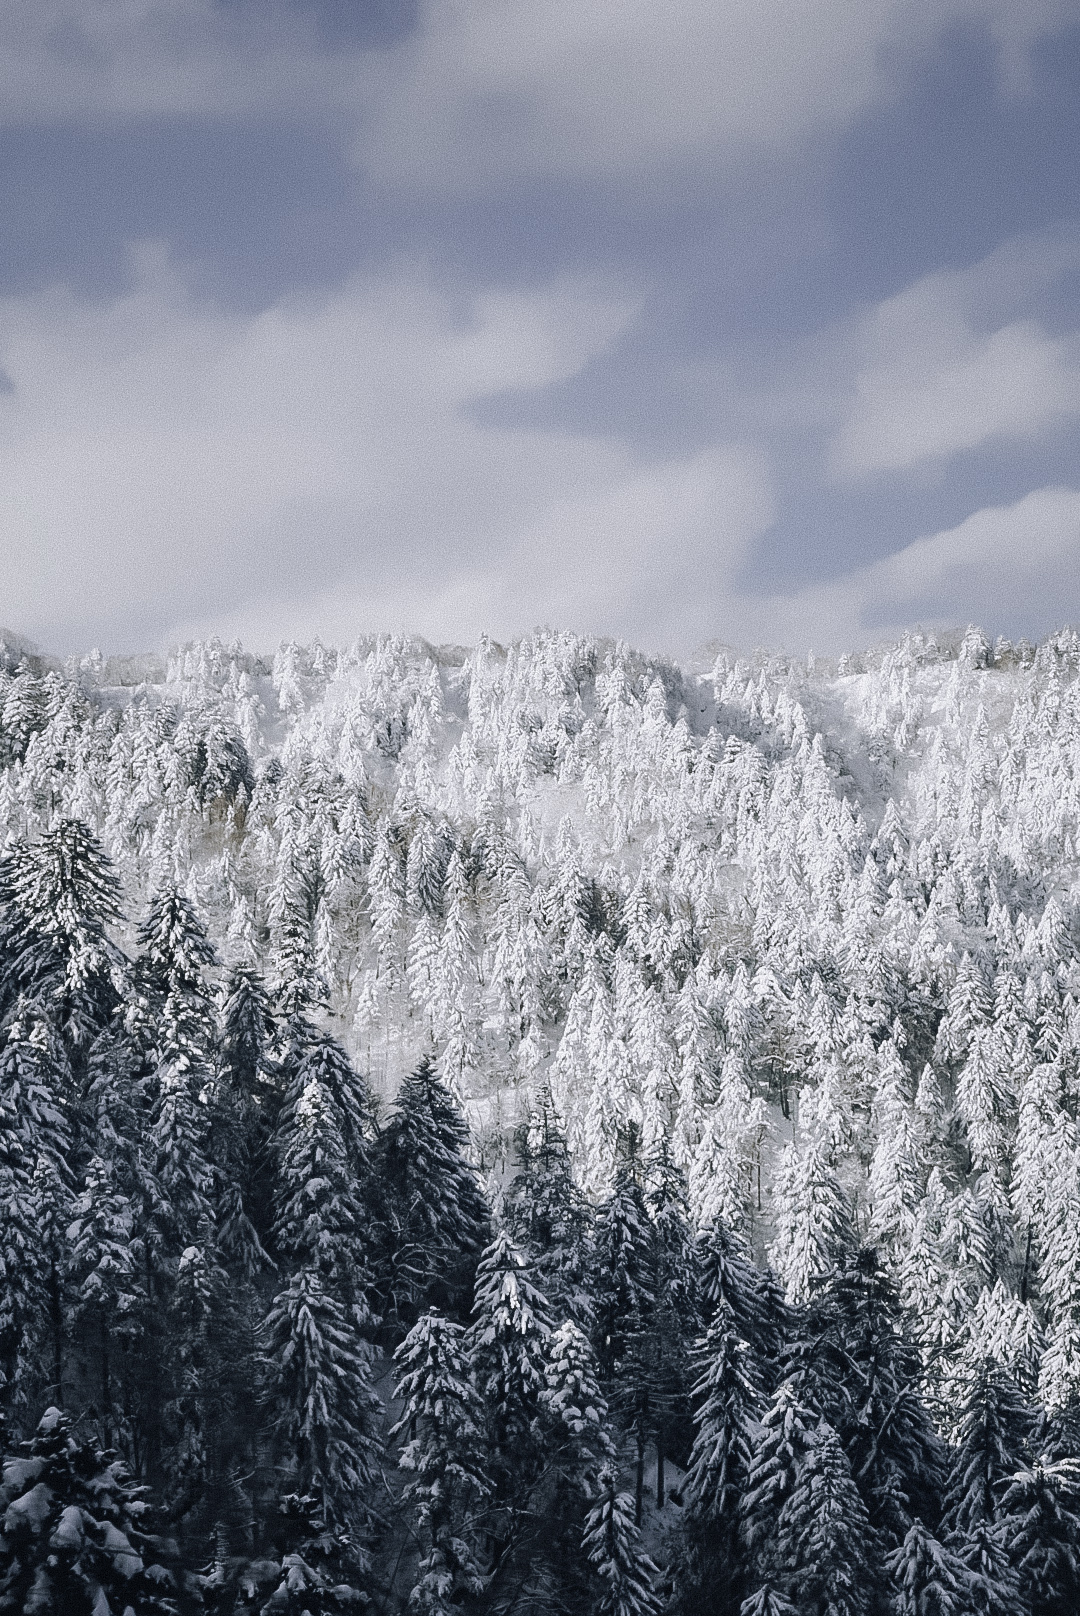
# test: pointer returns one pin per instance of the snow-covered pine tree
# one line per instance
(1040, 1513)
(624, 1572)
(57, 896)
(441, 1425)
(825, 1552)
(76, 1533)
(315, 1337)
(546, 1212)
(927, 1578)
(854, 1361)
(433, 1215)
(729, 1395)
(507, 1346)
(247, 1103)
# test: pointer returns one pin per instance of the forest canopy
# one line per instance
(541, 1128)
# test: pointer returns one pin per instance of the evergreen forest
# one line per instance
(540, 1129)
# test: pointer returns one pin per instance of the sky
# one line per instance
(750, 321)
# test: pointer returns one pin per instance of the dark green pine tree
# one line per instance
(709, 1574)
(434, 1220)
(118, 1287)
(76, 1535)
(625, 1305)
(247, 1103)
(441, 1424)
(171, 973)
(1040, 1511)
(995, 1426)
(625, 1576)
(547, 1212)
(855, 1363)
(782, 1443)
(507, 1346)
(36, 1195)
(675, 1322)
(315, 1342)
(57, 896)
(576, 1442)
(195, 1337)
(826, 1553)
(729, 1275)
(927, 1578)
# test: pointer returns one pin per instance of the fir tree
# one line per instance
(548, 1213)
(611, 1540)
(57, 896)
(928, 1578)
(1040, 1509)
(434, 1217)
(75, 1533)
(729, 1396)
(854, 1362)
(992, 1445)
(442, 1422)
(825, 1549)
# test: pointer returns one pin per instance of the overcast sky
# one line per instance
(750, 320)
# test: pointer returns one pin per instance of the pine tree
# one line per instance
(813, 1220)
(928, 1578)
(434, 1218)
(315, 1343)
(611, 1540)
(35, 1197)
(442, 1420)
(854, 1362)
(547, 1212)
(318, 1378)
(729, 1396)
(730, 1276)
(74, 1535)
(247, 1106)
(57, 896)
(993, 1433)
(1040, 1510)
(781, 1446)
(507, 1345)
(825, 1548)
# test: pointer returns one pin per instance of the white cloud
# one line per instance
(493, 88)
(939, 370)
(1000, 562)
(167, 463)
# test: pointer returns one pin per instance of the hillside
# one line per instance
(805, 932)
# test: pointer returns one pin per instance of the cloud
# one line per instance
(932, 380)
(172, 468)
(1013, 568)
(491, 89)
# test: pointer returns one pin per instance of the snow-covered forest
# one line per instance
(541, 1129)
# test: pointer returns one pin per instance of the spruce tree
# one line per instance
(441, 1423)
(433, 1215)
(74, 1536)
(57, 896)
(1040, 1510)
(729, 1403)
(624, 1572)
(548, 1213)
(315, 1336)
(825, 1549)
(928, 1579)
(507, 1346)
(855, 1363)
